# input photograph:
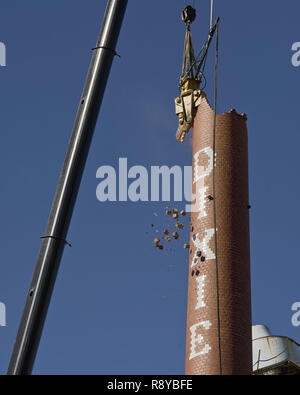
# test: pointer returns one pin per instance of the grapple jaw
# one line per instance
(186, 107)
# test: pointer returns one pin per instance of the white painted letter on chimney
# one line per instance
(197, 340)
(200, 293)
(203, 246)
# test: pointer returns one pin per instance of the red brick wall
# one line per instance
(232, 214)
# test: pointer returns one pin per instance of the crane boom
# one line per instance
(52, 246)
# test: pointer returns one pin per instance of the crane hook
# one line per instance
(188, 15)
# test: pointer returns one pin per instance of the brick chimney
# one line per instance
(219, 295)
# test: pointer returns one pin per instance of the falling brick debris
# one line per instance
(175, 235)
(171, 230)
(157, 245)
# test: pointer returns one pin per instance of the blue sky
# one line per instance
(119, 306)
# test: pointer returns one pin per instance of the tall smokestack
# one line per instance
(219, 296)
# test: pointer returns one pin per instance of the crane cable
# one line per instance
(214, 183)
(189, 66)
(214, 195)
(211, 13)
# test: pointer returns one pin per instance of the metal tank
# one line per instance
(274, 355)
